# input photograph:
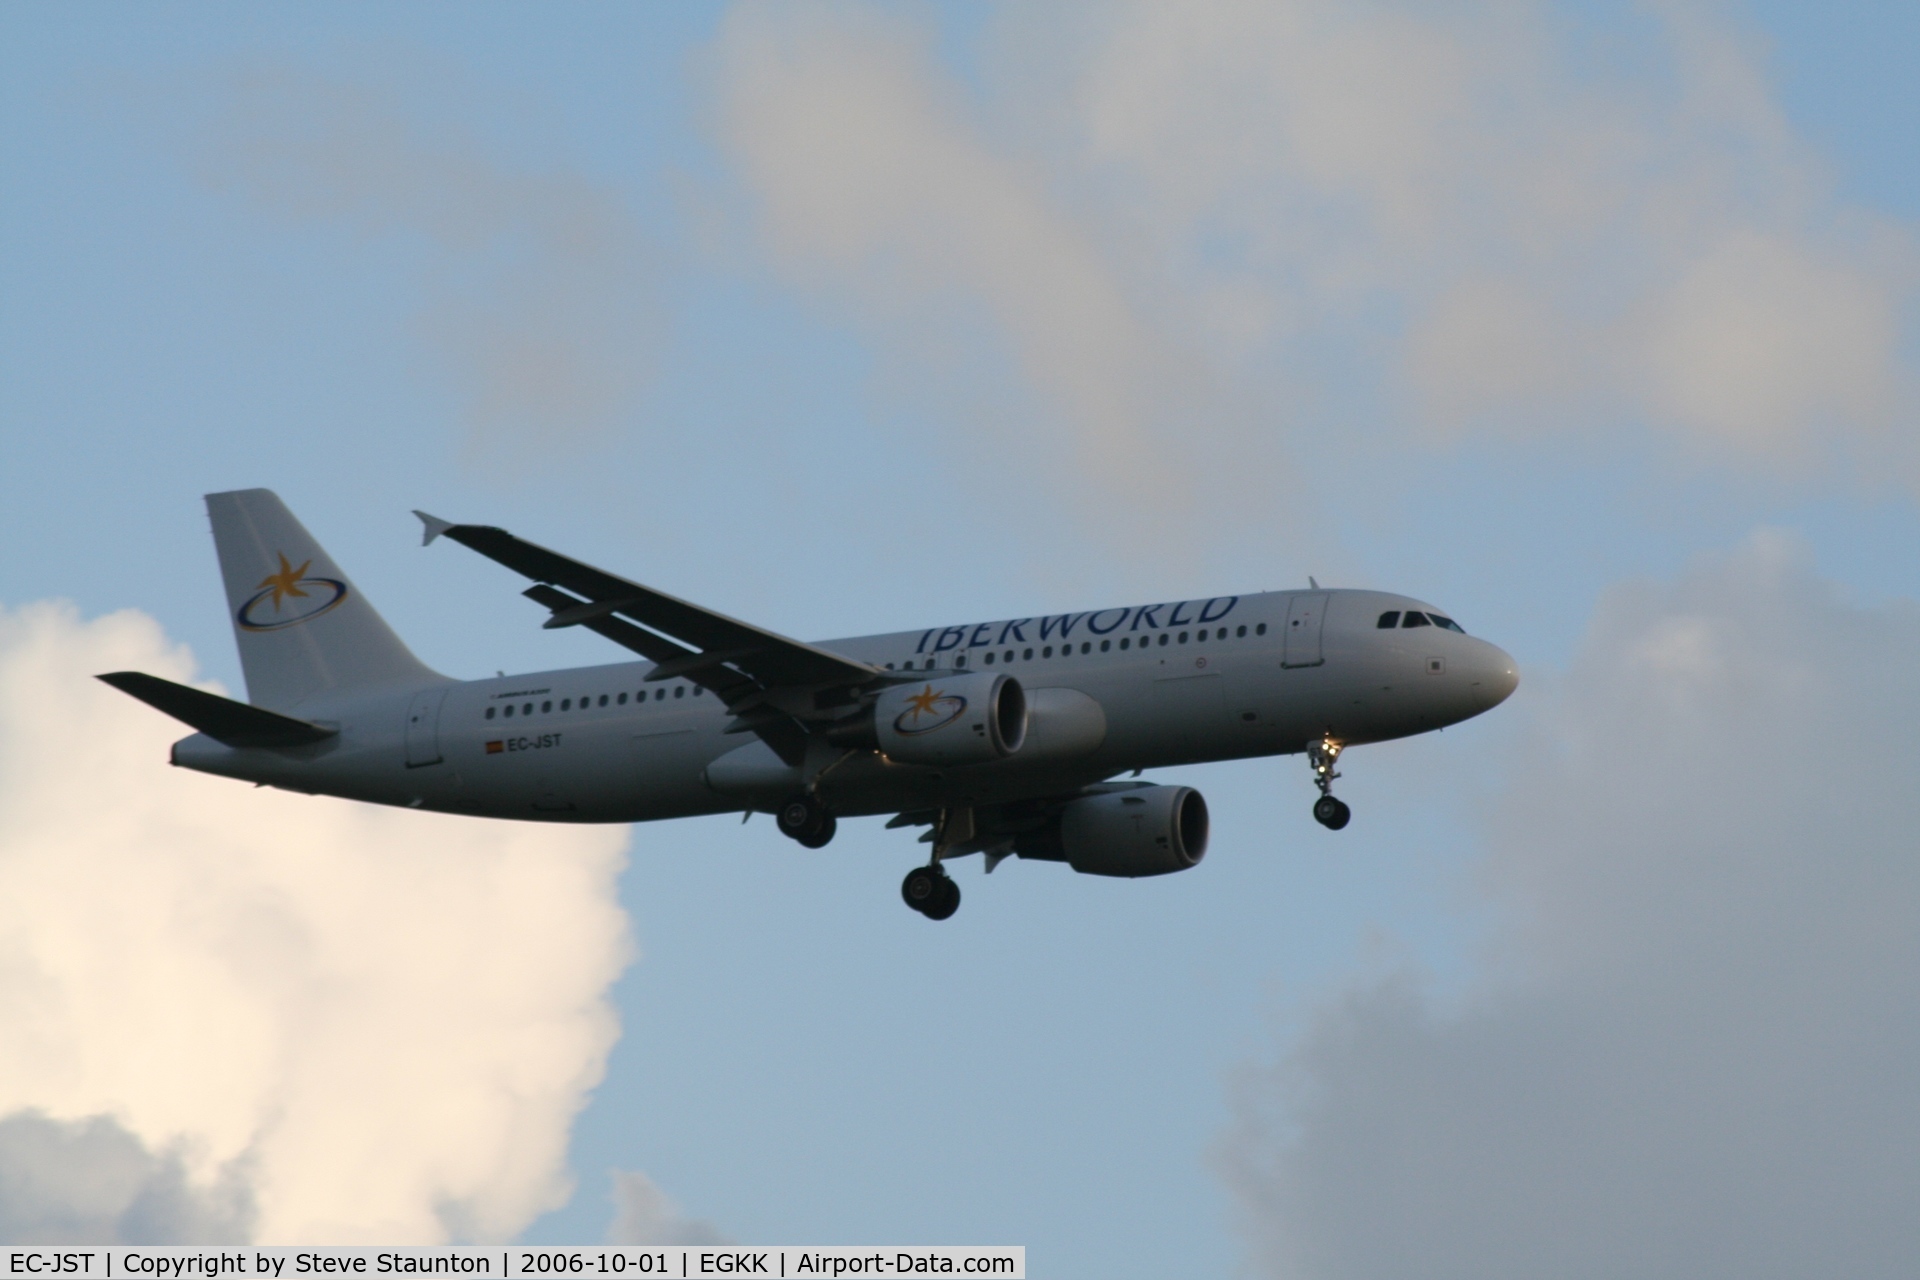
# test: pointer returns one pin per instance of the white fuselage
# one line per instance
(1109, 691)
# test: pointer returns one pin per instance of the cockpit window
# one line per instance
(1414, 618)
(1448, 623)
(1389, 619)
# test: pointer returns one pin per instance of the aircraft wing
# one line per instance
(746, 666)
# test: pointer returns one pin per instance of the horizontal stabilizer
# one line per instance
(222, 719)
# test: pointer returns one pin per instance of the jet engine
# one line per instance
(1139, 831)
(956, 718)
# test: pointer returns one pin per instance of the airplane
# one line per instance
(1006, 738)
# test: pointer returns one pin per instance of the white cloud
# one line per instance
(379, 1023)
(1563, 238)
(92, 1182)
(539, 289)
(1764, 340)
(643, 1214)
(1694, 1050)
(876, 185)
(1169, 213)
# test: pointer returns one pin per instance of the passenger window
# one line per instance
(1047, 652)
(889, 666)
(509, 708)
(1183, 637)
(546, 706)
(960, 661)
(621, 700)
(1260, 630)
(1026, 655)
(989, 659)
(603, 699)
(489, 713)
(1125, 642)
(1241, 633)
(1105, 645)
(526, 709)
(566, 704)
(1448, 623)
(1164, 637)
(1007, 656)
(659, 695)
(1414, 619)
(1086, 646)
(1389, 620)
(680, 691)
(698, 690)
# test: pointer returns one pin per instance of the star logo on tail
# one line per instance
(286, 582)
(294, 595)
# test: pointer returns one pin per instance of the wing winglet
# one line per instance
(435, 526)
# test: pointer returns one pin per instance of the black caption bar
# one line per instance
(627, 1262)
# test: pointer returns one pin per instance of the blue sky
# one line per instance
(848, 321)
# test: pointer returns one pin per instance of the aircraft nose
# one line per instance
(1495, 675)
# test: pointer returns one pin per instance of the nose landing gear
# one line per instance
(1329, 811)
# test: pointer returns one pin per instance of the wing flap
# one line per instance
(736, 690)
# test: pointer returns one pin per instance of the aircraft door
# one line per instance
(1305, 614)
(423, 728)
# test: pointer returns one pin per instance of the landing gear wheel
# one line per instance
(921, 888)
(820, 838)
(931, 892)
(1331, 813)
(803, 818)
(1328, 811)
(949, 900)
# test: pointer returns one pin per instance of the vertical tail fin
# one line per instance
(301, 626)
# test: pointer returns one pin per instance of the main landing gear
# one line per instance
(805, 819)
(1329, 811)
(931, 891)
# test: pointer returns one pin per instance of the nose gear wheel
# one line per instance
(1329, 811)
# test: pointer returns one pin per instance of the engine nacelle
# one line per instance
(1141, 831)
(956, 718)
